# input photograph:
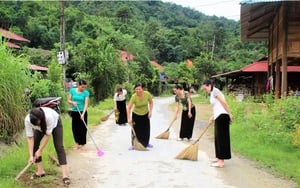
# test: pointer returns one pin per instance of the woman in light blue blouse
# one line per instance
(79, 99)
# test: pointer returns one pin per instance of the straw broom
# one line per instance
(117, 115)
(107, 116)
(136, 144)
(166, 133)
(191, 152)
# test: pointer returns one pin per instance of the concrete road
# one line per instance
(158, 168)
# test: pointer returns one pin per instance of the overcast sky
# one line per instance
(227, 8)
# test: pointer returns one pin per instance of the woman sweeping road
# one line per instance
(188, 113)
(222, 117)
(79, 99)
(120, 106)
(142, 105)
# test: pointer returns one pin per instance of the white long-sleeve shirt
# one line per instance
(218, 108)
(121, 97)
(51, 117)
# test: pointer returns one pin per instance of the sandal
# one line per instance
(66, 181)
(216, 164)
(35, 176)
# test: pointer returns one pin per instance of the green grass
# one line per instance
(258, 133)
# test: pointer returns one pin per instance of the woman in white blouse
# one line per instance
(40, 124)
(120, 106)
(222, 117)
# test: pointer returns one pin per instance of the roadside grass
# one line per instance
(263, 133)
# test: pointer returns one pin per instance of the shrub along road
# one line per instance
(157, 168)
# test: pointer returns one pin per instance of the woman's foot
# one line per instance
(214, 160)
(83, 148)
(76, 147)
(131, 148)
(66, 180)
(219, 164)
(37, 175)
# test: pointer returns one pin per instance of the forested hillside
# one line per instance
(95, 31)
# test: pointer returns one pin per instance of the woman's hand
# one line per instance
(149, 114)
(190, 115)
(211, 120)
(38, 153)
(74, 103)
(31, 159)
(129, 121)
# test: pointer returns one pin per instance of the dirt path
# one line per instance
(157, 168)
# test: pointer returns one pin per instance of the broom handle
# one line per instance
(23, 171)
(132, 129)
(171, 124)
(205, 129)
(88, 131)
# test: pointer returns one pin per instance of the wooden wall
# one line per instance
(277, 34)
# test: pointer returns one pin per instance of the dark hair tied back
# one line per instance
(207, 83)
(37, 114)
(82, 82)
(178, 86)
(119, 89)
(139, 84)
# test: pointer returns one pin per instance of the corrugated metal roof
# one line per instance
(38, 68)
(154, 63)
(259, 66)
(12, 45)
(13, 36)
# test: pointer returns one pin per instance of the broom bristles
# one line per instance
(189, 153)
(107, 116)
(138, 146)
(164, 135)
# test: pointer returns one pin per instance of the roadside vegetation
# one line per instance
(268, 133)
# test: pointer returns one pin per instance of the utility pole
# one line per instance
(213, 48)
(63, 56)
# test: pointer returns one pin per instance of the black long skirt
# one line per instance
(141, 126)
(78, 128)
(121, 106)
(222, 137)
(187, 124)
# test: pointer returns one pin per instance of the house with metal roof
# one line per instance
(278, 23)
(251, 80)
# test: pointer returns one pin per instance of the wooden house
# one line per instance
(278, 23)
(252, 79)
